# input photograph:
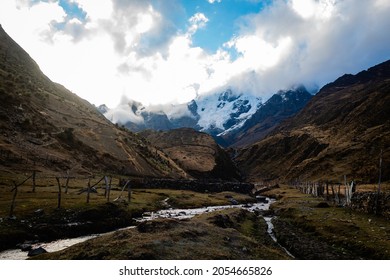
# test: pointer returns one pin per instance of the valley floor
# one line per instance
(307, 227)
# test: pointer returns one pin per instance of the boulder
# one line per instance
(25, 247)
(36, 252)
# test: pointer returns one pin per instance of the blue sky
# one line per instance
(224, 18)
(72, 9)
(169, 51)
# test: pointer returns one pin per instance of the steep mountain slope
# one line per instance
(196, 152)
(340, 132)
(279, 107)
(46, 127)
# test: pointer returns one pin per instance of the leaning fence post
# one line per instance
(15, 190)
(109, 189)
(59, 193)
(106, 190)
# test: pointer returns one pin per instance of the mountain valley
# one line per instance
(70, 169)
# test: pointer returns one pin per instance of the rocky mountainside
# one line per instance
(279, 107)
(46, 127)
(341, 131)
(196, 152)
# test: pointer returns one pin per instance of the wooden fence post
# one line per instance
(109, 189)
(15, 190)
(67, 181)
(327, 190)
(333, 194)
(379, 183)
(120, 195)
(106, 189)
(346, 192)
(338, 194)
(129, 192)
(59, 193)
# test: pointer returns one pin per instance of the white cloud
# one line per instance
(213, 1)
(312, 8)
(197, 21)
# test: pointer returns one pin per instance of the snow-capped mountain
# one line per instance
(227, 115)
(214, 114)
(220, 113)
(282, 105)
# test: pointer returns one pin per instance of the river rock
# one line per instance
(25, 247)
(222, 221)
(39, 212)
(323, 204)
(262, 199)
(36, 252)
(233, 201)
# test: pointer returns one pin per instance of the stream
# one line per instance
(18, 254)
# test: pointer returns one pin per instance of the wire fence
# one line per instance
(346, 194)
(63, 184)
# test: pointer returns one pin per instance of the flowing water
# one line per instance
(189, 213)
(17, 254)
